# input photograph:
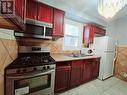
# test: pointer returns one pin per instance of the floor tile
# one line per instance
(111, 86)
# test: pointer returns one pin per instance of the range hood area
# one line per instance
(36, 29)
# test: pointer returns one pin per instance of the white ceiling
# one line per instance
(83, 10)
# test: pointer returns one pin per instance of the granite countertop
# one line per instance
(64, 57)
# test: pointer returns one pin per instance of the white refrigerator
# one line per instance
(105, 47)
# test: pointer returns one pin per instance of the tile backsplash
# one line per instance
(55, 46)
(120, 70)
(8, 53)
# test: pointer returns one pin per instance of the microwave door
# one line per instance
(36, 31)
(48, 32)
(32, 31)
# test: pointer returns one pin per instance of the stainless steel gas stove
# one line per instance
(32, 73)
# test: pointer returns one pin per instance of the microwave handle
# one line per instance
(29, 75)
(44, 31)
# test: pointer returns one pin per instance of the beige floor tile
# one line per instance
(111, 86)
(121, 87)
(114, 91)
(93, 89)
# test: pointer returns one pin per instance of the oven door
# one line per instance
(34, 83)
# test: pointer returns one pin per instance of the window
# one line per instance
(72, 35)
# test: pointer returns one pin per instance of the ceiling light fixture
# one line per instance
(109, 8)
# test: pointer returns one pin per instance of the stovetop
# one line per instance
(31, 59)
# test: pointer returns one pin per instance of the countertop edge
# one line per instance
(63, 58)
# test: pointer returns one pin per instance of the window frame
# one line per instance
(78, 37)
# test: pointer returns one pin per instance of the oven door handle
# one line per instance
(29, 75)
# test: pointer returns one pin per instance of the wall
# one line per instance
(8, 52)
(121, 30)
(55, 46)
(121, 63)
(118, 30)
(110, 29)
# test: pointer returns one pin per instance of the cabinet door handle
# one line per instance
(35, 17)
(38, 17)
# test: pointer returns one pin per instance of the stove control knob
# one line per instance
(48, 67)
(34, 69)
(44, 68)
(18, 71)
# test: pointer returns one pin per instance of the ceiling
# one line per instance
(83, 10)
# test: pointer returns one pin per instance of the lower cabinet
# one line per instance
(73, 73)
(95, 67)
(62, 77)
(76, 73)
(87, 70)
(90, 69)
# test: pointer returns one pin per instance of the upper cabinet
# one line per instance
(39, 11)
(58, 23)
(16, 19)
(88, 34)
(90, 31)
(31, 9)
(45, 16)
(45, 13)
(20, 8)
(50, 19)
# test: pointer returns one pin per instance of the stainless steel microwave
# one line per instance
(36, 29)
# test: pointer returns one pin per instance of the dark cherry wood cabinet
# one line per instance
(87, 70)
(20, 8)
(90, 31)
(95, 67)
(15, 21)
(62, 79)
(76, 73)
(31, 9)
(39, 11)
(73, 73)
(90, 69)
(88, 34)
(45, 13)
(58, 23)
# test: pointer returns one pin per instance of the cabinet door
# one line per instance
(91, 34)
(95, 66)
(62, 78)
(87, 70)
(88, 34)
(45, 13)
(76, 73)
(31, 9)
(58, 23)
(20, 8)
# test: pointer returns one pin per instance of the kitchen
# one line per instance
(47, 40)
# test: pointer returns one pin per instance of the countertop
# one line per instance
(63, 57)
